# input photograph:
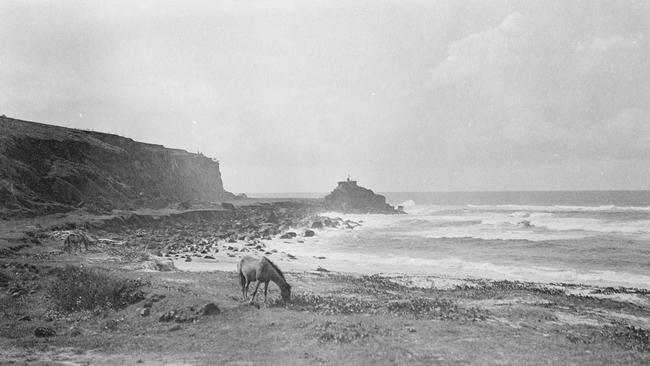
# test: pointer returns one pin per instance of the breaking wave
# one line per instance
(562, 208)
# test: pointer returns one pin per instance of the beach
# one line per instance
(344, 309)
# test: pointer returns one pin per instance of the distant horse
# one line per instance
(75, 240)
(261, 270)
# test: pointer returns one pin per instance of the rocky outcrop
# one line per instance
(348, 197)
(46, 169)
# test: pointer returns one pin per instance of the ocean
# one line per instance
(593, 238)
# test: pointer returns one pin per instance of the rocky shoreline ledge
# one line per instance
(209, 233)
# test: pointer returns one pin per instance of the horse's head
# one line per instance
(285, 292)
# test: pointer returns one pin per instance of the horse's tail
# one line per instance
(242, 278)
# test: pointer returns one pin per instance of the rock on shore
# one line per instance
(348, 197)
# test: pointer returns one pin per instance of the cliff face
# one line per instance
(46, 168)
(348, 197)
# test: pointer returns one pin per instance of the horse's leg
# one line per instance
(246, 289)
(266, 288)
(243, 289)
(242, 282)
(257, 286)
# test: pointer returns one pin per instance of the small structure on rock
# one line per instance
(349, 197)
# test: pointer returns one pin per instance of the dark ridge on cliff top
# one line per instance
(46, 169)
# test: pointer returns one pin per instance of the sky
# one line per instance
(405, 95)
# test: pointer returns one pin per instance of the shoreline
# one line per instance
(335, 316)
(298, 253)
(309, 254)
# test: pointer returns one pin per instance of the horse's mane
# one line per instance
(276, 268)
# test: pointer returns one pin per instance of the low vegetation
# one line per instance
(81, 288)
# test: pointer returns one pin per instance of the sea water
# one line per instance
(593, 238)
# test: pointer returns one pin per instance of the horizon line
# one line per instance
(470, 191)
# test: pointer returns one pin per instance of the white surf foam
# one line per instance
(453, 222)
(407, 203)
(561, 208)
(385, 263)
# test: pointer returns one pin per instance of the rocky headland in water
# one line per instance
(349, 197)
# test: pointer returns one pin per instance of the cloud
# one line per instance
(610, 43)
(516, 93)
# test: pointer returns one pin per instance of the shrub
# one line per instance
(4, 279)
(80, 288)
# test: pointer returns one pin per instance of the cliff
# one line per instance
(348, 197)
(46, 169)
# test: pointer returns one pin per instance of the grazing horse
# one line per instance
(261, 270)
(75, 240)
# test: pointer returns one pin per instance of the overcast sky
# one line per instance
(291, 96)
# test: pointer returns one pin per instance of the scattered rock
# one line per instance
(42, 332)
(25, 318)
(288, 235)
(145, 312)
(184, 318)
(321, 269)
(317, 225)
(174, 328)
(155, 298)
(168, 316)
(309, 233)
(208, 257)
(178, 316)
(525, 223)
(227, 206)
(209, 309)
(188, 259)
(410, 329)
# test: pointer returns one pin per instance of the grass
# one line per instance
(408, 306)
(81, 288)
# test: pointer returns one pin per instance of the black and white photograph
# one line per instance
(324, 182)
